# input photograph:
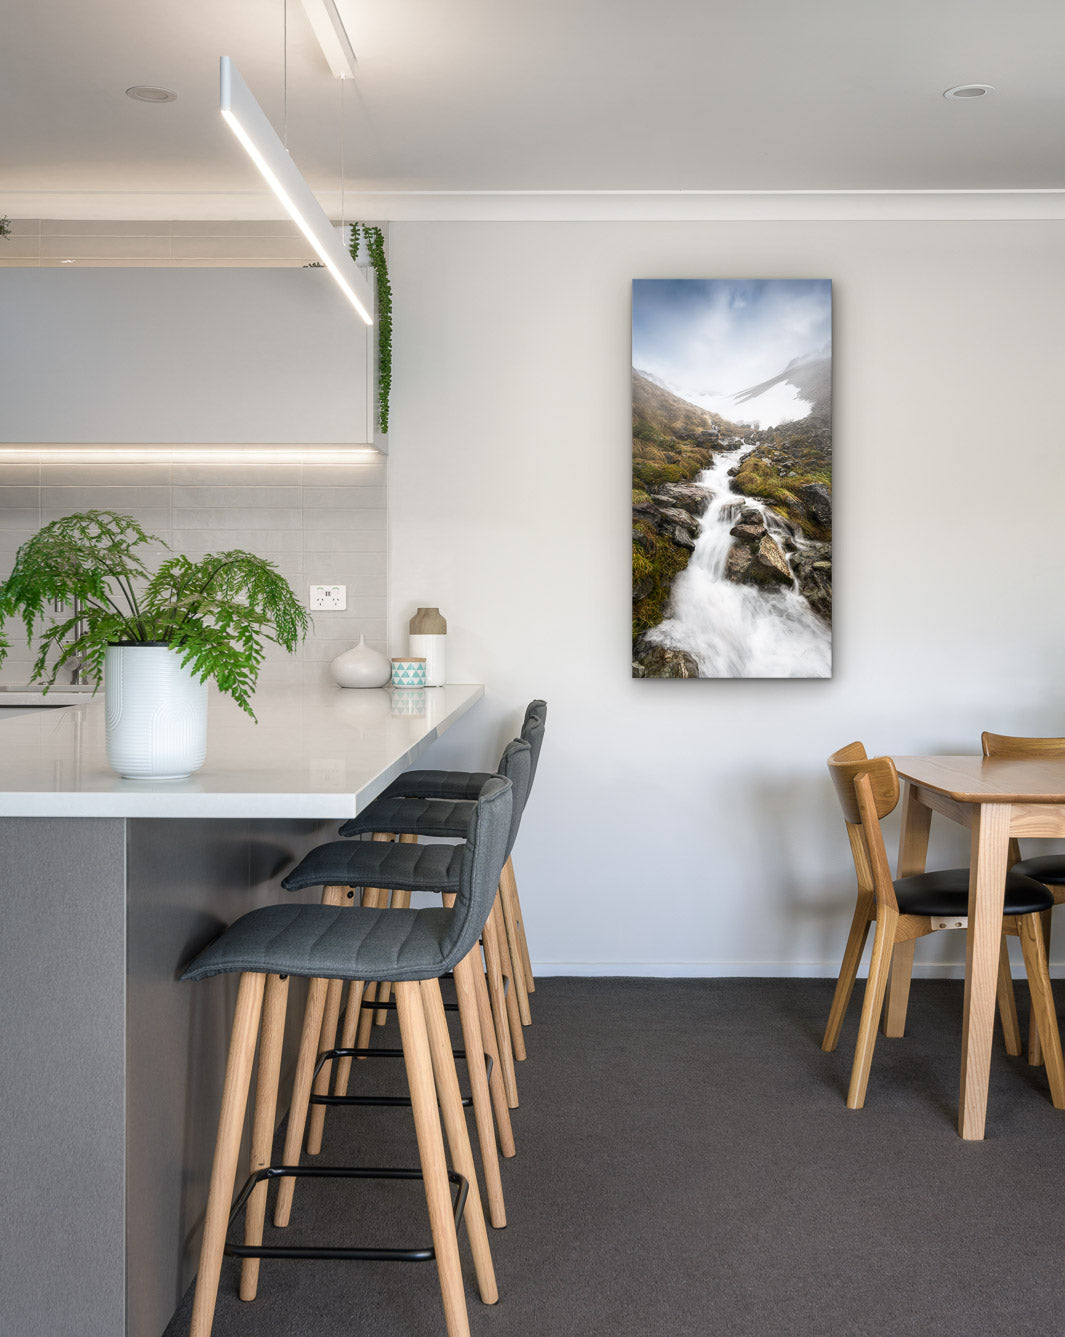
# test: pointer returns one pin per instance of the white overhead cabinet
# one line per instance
(198, 356)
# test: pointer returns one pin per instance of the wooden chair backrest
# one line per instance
(1022, 749)
(868, 789)
(1010, 748)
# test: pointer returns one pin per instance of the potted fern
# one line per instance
(155, 639)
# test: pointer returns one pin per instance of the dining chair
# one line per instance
(908, 908)
(1049, 869)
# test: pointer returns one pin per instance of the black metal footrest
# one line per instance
(401, 1101)
(422, 1255)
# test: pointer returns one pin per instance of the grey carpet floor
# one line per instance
(686, 1166)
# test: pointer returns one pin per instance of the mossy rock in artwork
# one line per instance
(656, 562)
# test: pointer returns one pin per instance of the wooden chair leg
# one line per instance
(509, 915)
(482, 1103)
(848, 971)
(301, 1093)
(458, 1137)
(1007, 1002)
(494, 977)
(1035, 1050)
(400, 901)
(418, 1061)
(1030, 929)
(262, 1134)
(876, 986)
(519, 921)
(500, 1107)
(898, 992)
(347, 1036)
(227, 1150)
(517, 1034)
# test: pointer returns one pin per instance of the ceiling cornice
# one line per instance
(560, 206)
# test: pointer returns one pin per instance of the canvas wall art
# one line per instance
(732, 478)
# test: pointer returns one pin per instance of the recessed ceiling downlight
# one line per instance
(147, 93)
(969, 90)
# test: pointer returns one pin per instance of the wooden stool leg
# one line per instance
(1007, 1002)
(494, 976)
(416, 1057)
(347, 1038)
(1035, 1050)
(1030, 930)
(301, 1092)
(519, 922)
(509, 915)
(500, 1108)
(482, 1104)
(328, 1037)
(458, 1137)
(848, 971)
(227, 1150)
(262, 1134)
(400, 901)
(517, 1034)
(876, 985)
(376, 898)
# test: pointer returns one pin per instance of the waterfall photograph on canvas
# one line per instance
(731, 478)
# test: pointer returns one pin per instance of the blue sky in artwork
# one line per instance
(710, 337)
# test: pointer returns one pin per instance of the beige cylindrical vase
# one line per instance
(428, 641)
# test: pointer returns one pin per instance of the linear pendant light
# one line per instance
(251, 126)
(332, 37)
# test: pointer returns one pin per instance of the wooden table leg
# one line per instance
(913, 852)
(987, 886)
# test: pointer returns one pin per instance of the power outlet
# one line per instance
(330, 598)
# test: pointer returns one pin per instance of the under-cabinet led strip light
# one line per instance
(74, 454)
(249, 123)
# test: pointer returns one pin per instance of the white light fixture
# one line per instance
(969, 91)
(332, 37)
(251, 126)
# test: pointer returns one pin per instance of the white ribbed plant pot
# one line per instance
(156, 713)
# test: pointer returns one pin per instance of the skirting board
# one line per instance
(944, 970)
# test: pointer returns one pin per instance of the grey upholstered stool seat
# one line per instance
(372, 863)
(412, 948)
(332, 942)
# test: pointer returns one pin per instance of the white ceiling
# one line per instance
(559, 96)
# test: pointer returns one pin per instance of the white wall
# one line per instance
(688, 827)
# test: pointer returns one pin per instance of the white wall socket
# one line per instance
(333, 598)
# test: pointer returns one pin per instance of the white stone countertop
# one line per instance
(316, 752)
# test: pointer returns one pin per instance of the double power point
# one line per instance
(328, 598)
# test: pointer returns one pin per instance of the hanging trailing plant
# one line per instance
(375, 247)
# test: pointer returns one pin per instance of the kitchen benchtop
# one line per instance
(316, 752)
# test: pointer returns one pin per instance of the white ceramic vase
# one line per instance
(156, 713)
(361, 667)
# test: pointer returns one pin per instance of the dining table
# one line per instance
(997, 800)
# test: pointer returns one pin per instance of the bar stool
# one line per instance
(411, 948)
(445, 816)
(338, 867)
(465, 785)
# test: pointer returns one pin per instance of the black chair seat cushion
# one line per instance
(457, 785)
(946, 894)
(1048, 868)
(331, 942)
(446, 818)
(378, 863)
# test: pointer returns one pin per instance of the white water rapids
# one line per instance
(740, 631)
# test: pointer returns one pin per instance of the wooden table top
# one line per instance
(987, 780)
